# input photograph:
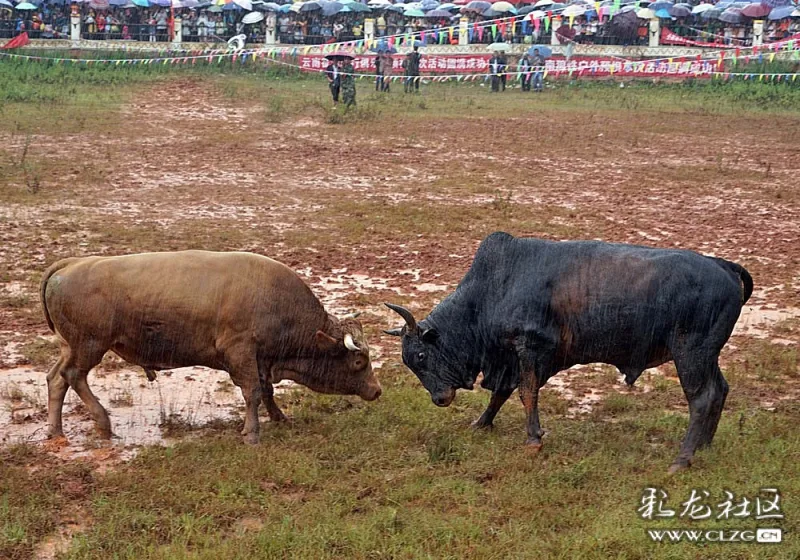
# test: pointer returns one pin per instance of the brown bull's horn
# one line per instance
(349, 343)
(408, 317)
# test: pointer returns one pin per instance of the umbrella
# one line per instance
(379, 3)
(246, 4)
(384, 48)
(712, 13)
(438, 14)
(331, 8)
(338, 55)
(310, 7)
(267, 7)
(230, 7)
(781, 12)
(115, 2)
(356, 7)
(6, 3)
(731, 15)
(542, 3)
(498, 47)
(161, 3)
(101, 4)
(525, 10)
(253, 17)
(680, 11)
(777, 3)
(478, 6)
(543, 50)
(141, 3)
(565, 34)
(661, 5)
(574, 10)
(448, 6)
(26, 6)
(504, 7)
(429, 4)
(645, 13)
(215, 9)
(756, 10)
(700, 8)
(663, 14)
(414, 12)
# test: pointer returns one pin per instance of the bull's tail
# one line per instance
(741, 272)
(52, 269)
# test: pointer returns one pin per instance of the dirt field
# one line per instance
(388, 205)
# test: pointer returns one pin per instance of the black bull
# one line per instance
(529, 308)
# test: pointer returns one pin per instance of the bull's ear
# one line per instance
(325, 341)
(395, 332)
(430, 335)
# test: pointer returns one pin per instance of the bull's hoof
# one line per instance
(481, 424)
(104, 433)
(251, 438)
(279, 417)
(679, 465)
(52, 433)
(533, 446)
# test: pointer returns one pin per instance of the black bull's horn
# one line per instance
(408, 317)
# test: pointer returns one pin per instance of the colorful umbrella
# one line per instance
(700, 8)
(781, 12)
(253, 17)
(504, 7)
(498, 47)
(543, 51)
(645, 13)
(731, 15)
(26, 6)
(339, 55)
(438, 14)
(414, 12)
(756, 10)
(679, 10)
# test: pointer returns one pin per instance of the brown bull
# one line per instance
(239, 312)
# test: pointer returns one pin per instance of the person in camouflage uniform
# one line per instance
(348, 83)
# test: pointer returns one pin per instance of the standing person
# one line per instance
(503, 70)
(411, 64)
(334, 80)
(386, 68)
(494, 68)
(524, 68)
(378, 72)
(538, 70)
(348, 83)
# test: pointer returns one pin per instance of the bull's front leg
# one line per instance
(275, 413)
(498, 399)
(244, 374)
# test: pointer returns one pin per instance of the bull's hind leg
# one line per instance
(498, 399)
(57, 388)
(532, 372)
(706, 391)
(76, 369)
(244, 374)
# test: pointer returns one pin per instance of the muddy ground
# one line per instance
(390, 208)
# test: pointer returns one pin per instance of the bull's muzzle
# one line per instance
(444, 398)
(371, 391)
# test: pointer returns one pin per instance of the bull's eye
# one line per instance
(421, 356)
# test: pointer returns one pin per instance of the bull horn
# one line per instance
(349, 343)
(352, 315)
(408, 317)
